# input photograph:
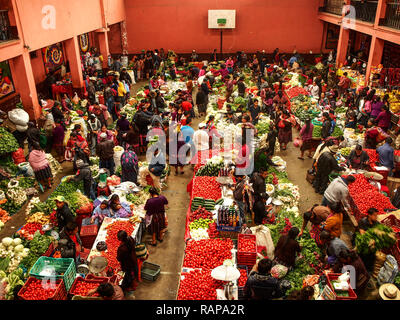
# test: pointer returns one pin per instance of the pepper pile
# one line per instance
(200, 213)
(373, 156)
(29, 229)
(247, 245)
(295, 91)
(208, 253)
(212, 230)
(207, 188)
(243, 278)
(113, 242)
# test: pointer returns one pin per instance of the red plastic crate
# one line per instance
(60, 294)
(114, 279)
(241, 289)
(395, 251)
(88, 235)
(335, 276)
(391, 221)
(243, 255)
(72, 293)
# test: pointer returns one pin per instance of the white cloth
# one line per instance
(201, 140)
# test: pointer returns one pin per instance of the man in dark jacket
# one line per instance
(63, 213)
(326, 126)
(241, 87)
(326, 164)
(105, 151)
(260, 284)
(260, 195)
(70, 243)
(84, 173)
(124, 75)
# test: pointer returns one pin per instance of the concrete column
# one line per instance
(74, 58)
(24, 83)
(380, 12)
(343, 43)
(375, 55)
(104, 48)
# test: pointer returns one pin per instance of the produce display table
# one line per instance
(101, 236)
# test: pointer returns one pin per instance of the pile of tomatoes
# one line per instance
(34, 289)
(200, 213)
(82, 288)
(113, 242)
(366, 196)
(198, 285)
(207, 188)
(207, 253)
(295, 91)
(243, 278)
(373, 156)
(212, 231)
(247, 245)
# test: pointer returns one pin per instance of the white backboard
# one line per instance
(214, 15)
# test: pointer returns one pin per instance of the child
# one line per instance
(100, 213)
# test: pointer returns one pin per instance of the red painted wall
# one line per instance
(260, 24)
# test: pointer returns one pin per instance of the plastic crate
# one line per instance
(88, 235)
(64, 269)
(86, 280)
(334, 276)
(113, 279)
(395, 251)
(241, 289)
(150, 271)
(60, 294)
(246, 258)
(391, 221)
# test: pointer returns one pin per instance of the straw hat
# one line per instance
(389, 291)
(334, 148)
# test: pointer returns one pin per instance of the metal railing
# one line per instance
(333, 6)
(392, 19)
(7, 32)
(365, 10)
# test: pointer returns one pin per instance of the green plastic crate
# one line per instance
(64, 269)
(150, 271)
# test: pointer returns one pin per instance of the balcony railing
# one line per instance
(392, 19)
(365, 10)
(7, 32)
(333, 6)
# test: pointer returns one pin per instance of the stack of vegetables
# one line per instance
(366, 196)
(377, 238)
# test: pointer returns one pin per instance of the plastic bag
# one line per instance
(18, 156)
(264, 239)
(297, 142)
(21, 128)
(75, 99)
(279, 271)
(18, 117)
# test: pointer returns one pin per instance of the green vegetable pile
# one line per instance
(200, 223)
(8, 143)
(37, 247)
(374, 239)
(262, 128)
(8, 165)
(14, 279)
(210, 169)
(337, 132)
(68, 191)
(317, 132)
(26, 182)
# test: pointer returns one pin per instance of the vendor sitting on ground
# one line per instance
(350, 258)
(333, 245)
(287, 248)
(358, 159)
(119, 209)
(108, 291)
(316, 215)
(334, 222)
(100, 212)
(260, 284)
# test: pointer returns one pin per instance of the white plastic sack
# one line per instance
(18, 117)
(21, 128)
(264, 239)
(118, 151)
